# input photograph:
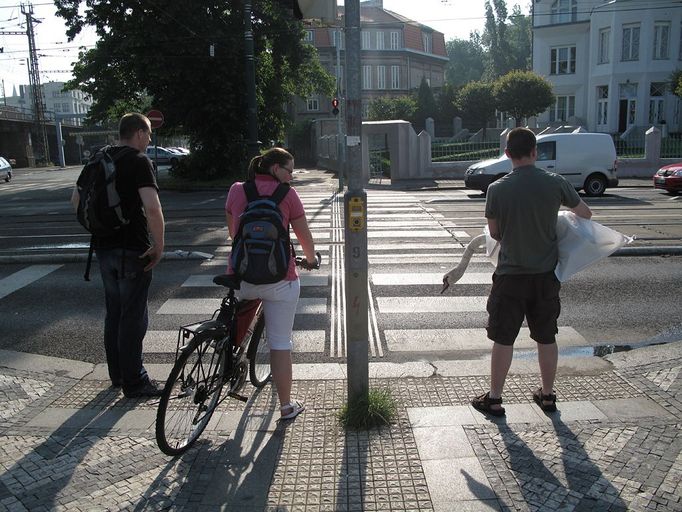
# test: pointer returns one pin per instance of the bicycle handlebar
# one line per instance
(303, 263)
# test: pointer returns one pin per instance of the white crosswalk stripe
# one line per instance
(24, 277)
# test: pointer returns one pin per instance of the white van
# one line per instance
(586, 160)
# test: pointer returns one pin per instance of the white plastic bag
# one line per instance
(492, 246)
(582, 243)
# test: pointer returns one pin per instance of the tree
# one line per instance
(519, 37)
(426, 105)
(477, 103)
(388, 109)
(467, 60)
(446, 105)
(495, 39)
(523, 94)
(676, 82)
(190, 61)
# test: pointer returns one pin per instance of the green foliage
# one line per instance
(520, 40)
(523, 94)
(477, 103)
(467, 60)
(446, 108)
(363, 414)
(426, 105)
(676, 82)
(387, 109)
(148, 50)
(495, 39)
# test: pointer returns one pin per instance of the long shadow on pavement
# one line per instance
(561, 476)
(235, 475)
(39, 477)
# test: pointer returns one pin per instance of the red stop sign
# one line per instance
(155, 118)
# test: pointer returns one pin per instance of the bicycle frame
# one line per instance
(234, 320)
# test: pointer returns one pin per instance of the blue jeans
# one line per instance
(126, 321)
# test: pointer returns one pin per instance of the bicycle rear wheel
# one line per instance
(191, 394)
(259, 356)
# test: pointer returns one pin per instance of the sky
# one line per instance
(455, 18)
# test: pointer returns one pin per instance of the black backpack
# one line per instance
(262, 248)
(99, 207)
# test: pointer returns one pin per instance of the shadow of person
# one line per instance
(554, 472)
(583, 475)
(44, 471)
(234, 475)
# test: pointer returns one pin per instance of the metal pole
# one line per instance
(339, 130)
(250, 68)
(60, 144)
(355, 202)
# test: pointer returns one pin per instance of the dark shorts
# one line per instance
(533, 296)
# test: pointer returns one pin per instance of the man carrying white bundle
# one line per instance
(521, 209)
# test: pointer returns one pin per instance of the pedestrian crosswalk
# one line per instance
(410, 247)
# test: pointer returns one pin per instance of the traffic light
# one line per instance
(335, 106)
(324, 10)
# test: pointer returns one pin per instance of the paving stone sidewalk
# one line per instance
(71, 444)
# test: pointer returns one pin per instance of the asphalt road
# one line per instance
(619, 301)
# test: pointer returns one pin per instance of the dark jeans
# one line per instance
(126, 321)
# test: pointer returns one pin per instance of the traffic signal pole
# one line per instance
(340, 153)
(355, 209)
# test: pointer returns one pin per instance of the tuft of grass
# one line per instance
(378, 409)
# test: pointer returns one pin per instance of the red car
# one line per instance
(669, 178)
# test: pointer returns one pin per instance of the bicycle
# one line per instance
(209, 355)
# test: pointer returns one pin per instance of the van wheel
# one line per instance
(595, 185)
(485, 188)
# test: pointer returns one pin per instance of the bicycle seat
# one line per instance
(227, 280)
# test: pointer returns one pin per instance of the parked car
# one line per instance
(586, 160)
(182, 151)
(5, 169)
(164, 156)
(669, 178)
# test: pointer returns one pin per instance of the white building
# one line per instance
(609, 62)
(56, 101)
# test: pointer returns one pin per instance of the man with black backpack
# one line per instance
(117, 201)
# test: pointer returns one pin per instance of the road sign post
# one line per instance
(156, 119)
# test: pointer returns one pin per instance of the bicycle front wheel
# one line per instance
(259, 356)
(191, 394)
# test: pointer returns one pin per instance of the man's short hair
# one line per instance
(132, 122)
(520, 143)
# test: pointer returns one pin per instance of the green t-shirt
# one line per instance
(525, 204)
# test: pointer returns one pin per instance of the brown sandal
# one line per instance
(540, 399)
(482, 403)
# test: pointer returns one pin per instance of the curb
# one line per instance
(673, 250)
(81, 257)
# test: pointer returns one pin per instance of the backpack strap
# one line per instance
(277, 196)
(280, 193)
(86, 276)
(251, 191)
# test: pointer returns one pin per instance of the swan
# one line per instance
(455, 274)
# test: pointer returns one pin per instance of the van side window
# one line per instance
(547, 150)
